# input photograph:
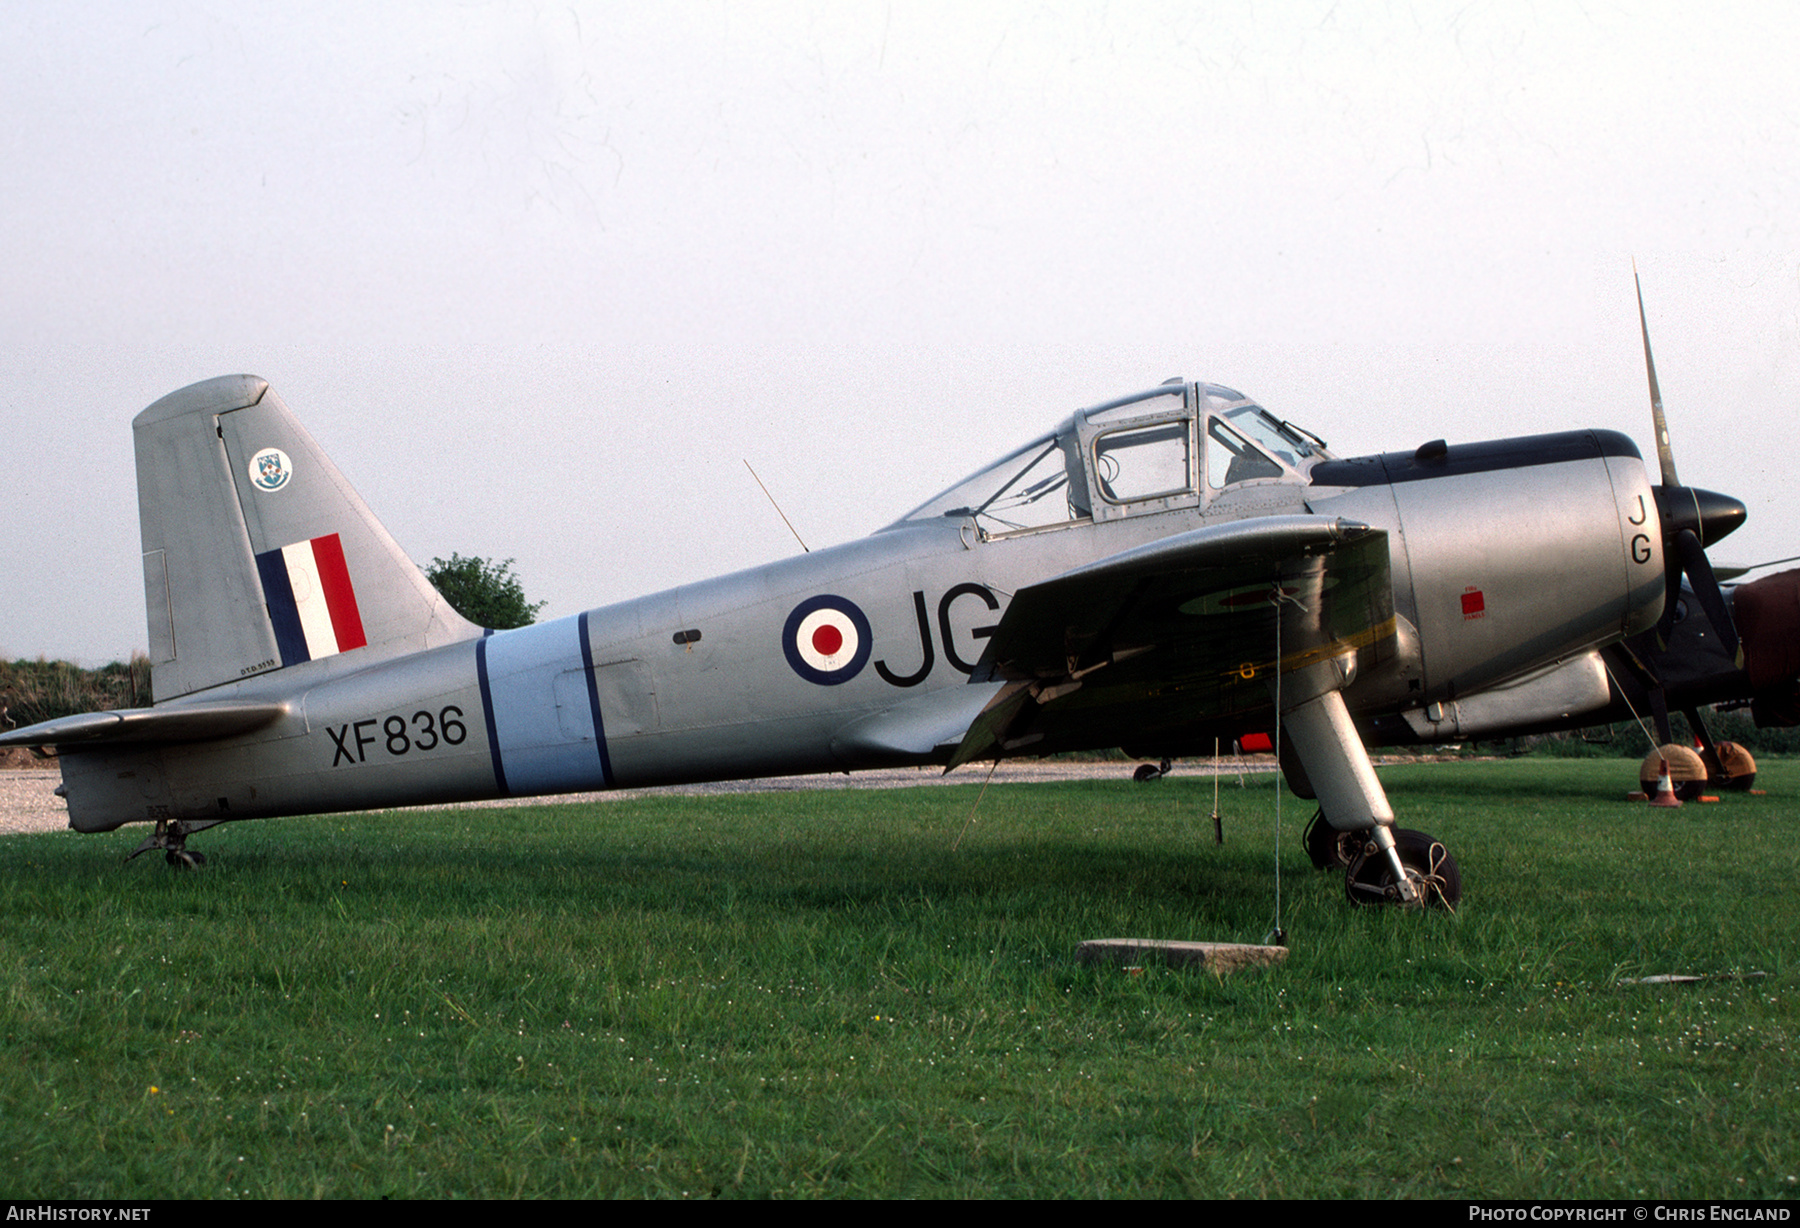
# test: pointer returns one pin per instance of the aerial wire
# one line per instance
(1643, 726)
(1276, 935)
(784, 520)
(1218, 823)
(968, 822)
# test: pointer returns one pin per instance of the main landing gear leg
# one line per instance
(171, 837)
(1349, 793)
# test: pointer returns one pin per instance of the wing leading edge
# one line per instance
(1153, 644)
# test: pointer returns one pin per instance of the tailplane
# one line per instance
(257, 553)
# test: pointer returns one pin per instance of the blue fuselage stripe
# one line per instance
(593, 691)
(487, 710)
(543, 709)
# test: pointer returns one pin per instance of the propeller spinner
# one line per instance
(1692, 519)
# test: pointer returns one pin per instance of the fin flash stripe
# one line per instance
(312, 604)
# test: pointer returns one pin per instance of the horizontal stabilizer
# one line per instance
(200, 723)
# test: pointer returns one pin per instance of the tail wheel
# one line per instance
(1370, 879)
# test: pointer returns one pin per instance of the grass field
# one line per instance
(815, 995)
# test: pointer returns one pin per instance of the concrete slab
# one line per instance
(1219, 957)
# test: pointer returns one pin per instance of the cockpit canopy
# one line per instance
(1177, 445)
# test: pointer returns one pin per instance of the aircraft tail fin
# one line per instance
(257, 553)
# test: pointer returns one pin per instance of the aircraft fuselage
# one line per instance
(1505, 558)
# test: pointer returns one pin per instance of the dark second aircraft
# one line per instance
(1157, 571)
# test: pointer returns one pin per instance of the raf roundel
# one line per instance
(827, 640)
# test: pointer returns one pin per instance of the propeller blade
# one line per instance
(1691, 519)
(1665, 455)
(1706, 590)
(1671, 594)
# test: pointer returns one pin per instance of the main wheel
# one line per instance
(1740, 768)
(1151, 771)
(1370, 879)
(1327, 846)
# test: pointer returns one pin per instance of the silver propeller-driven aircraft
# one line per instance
(1157, 571)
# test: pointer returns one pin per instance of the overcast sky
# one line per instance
(540, 278)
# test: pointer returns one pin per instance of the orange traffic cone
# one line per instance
(1665, 792)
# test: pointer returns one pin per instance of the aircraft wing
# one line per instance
(196, 723)
(1154, 644)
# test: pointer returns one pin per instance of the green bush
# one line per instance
(33, 691)
(1625, 740)
(485, 593)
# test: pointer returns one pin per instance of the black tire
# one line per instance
(1369, 879)
(1329, 848)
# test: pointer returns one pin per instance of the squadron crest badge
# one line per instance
(270, 469)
